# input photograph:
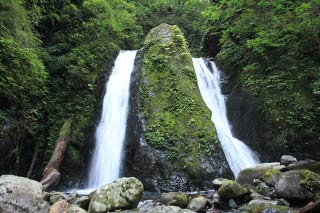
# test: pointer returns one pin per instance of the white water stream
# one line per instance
(110, 133)
(239, 155)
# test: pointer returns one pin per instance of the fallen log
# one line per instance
(311, 207)
(51, 174)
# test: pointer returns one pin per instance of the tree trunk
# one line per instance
(311, 207)
(51, 174)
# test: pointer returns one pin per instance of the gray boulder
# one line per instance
(307, 164)
(198, 204)
(295, 185)
(247, 175)
(175, 199)
(287, 159)
(18, 194)
(166, 209)
(123, 193)
(82, 202)
(272, 202)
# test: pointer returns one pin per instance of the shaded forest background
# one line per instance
(54, 58)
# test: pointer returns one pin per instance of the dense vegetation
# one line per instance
(54, 56)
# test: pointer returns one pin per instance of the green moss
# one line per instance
(177, 118)
(311, 181)
(271, 176)
(66, 128)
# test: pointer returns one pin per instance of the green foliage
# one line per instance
(80, 41)
(273, 47)
(186, 14)
(15, 23)
(23, 85)
(311, 181)
(76, 58)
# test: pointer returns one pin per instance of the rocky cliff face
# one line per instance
(171, 140)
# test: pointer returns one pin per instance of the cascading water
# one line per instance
(110, 133)
(239, 155)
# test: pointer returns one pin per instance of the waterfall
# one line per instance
(239, 155)
(110, 133)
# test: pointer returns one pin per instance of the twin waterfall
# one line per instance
(110, 133)
(239, 155)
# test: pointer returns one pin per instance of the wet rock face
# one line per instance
(18, 194)
(123, 193)
(171, 141)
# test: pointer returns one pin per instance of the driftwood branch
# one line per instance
(51, 174)
(311, 207)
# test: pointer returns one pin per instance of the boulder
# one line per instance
(247, 175)
(257, 196)
(287, 159)
(61, 206)
(298, 185)
(232, 189)
(198, 204)
(264, 206)
(271, 202)
(232, 204)
(82, 202)
(264, 189)
(56, 196)
(175, 199)
(219, 202)
(18, 194)
(166, 209)
(76, 209)
(271, 176)
(218, 182)
(123, 193)
(307, 164)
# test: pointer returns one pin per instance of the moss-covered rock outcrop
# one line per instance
(169, 118)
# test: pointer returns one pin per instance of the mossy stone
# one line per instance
(262, 207)
(175, 199)
(218, 182)
(271, 176)
(232, 189)
(311, 181)
(247, 175)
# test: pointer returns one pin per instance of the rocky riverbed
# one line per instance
(285, 186)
